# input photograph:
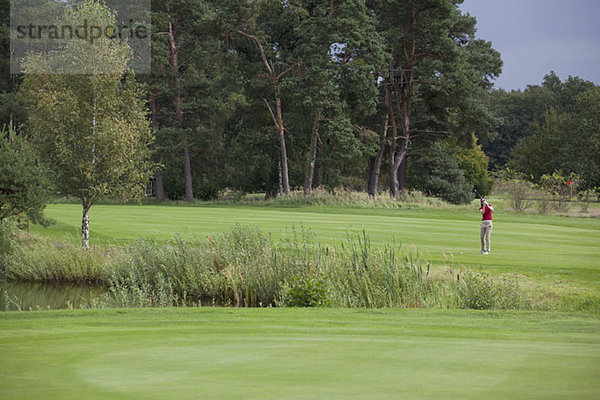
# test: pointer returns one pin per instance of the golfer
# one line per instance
(486, 226)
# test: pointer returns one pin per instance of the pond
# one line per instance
(42, 296)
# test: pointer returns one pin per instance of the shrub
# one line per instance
(561, 188)
(544, 203)
(354, 183)
(206, 191)
(584, 201)
(436, 170)
(416, 197)
(474, 163)
(519, 190)
(509, 295)
(306, 291)
(24, 187)
(8, 234)
(477, 290)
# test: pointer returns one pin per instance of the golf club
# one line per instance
(477, 193)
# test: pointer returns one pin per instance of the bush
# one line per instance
(474, 163)
(436, 171)
(561, 188)
(544, 201)
(206, 191)
(354, 183)
(476, 291)
(584, 201)
(24, 187)
(519, 189)
(8, 234)
(479, 291)
(308, 291)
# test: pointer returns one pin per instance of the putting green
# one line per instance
(298, 354)
(543, 247)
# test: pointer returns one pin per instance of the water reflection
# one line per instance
(40, 296)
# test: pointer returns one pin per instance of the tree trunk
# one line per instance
(394, 144)
(280, 176)
(312, 155)
(187, 173)
(85, 226)
(400, 154)
(278, 120)
(376, 162)
(159, 185)
(158, 176)
(316, 176)
(284, 163)
(402, 175)
(174, 56)
(395, 166)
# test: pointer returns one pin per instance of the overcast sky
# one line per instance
(537, 36)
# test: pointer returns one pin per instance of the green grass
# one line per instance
(298, 354)
(229, 353)
(548, 248)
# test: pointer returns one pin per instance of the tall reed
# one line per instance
(246, 268)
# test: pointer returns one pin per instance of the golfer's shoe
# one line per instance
(486, 252)
(481, 251)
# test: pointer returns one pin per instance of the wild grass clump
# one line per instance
(42, 260)
(346, 198)
(360, 276)
(246, 268)
(320, 197)
(479, 291)
(240, 268)
(8, 235)
(8, 303)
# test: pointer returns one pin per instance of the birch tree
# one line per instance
(91, 128)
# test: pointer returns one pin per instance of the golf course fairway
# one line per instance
(215, 353)
(287, 353)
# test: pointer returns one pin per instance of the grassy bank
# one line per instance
(298, 354)
(246, 267)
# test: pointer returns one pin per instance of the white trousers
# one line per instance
(485, 235)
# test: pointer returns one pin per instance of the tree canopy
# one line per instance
(24, 184)
(278, 95)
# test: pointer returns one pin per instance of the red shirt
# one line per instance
(487, 213)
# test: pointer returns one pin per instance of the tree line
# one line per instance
(550, 127)
(272, 96)
(278, 95)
